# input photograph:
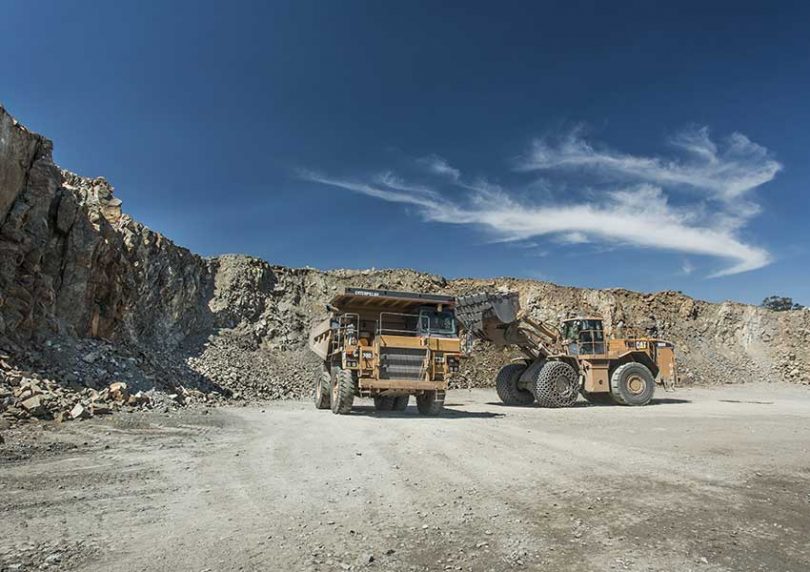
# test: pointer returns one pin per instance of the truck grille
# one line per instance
(402, 363)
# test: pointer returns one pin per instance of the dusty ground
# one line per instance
(704, 479)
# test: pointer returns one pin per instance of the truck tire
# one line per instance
(343, 387)
(323, 390)
(632, 384)
(383, 403)
(556, 385)
(401, 402)
(430, 403)
(506, 384)
(601, 398)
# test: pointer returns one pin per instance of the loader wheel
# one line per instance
(632, 384)
(401, 402)
(601, 398)
(383, 403)
(430, 403)
(342, 391)
(557, 385)
(323, 390)
(506, 384)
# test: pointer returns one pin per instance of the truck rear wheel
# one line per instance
(401, 402)
(556, 385)
(632, 384)
(430, 403)
(506, 384)
(382, 403)
(323, 390)
(342, 391)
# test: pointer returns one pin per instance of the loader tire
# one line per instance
(601, 398)
(506, 384)
(323, 390)
(556, 385)
(382, 403)
(401, 402)
(343, 388)
(430, 403)
(632, 384)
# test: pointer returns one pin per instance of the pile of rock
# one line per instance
(27, 395)
(246, 373)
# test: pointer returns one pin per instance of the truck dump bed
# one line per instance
(376, 312)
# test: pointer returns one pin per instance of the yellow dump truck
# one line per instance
(387, 345)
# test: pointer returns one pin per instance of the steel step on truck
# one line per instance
(561, 363)
(387, 345)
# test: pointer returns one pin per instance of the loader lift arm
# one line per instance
(497, 318)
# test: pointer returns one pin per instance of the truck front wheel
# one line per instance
(343, 387)
(323, 389)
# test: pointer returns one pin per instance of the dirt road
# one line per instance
(704, 479)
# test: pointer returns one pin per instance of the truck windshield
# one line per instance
(437, 323)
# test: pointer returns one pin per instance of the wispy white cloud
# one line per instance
(687, 267)
(386, 189)
(634, 211)
(726, 171)
(439, 166)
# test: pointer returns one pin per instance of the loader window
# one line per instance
(435, 323)
(585, 336)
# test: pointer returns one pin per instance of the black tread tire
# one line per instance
(556, 385)
(323, 390)
(343, 387)
(383, 403)
(601, 398)
(430, 403)
(507, 388)
(401, 402)
(619, 384)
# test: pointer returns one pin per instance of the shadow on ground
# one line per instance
(411, 413)
(585, 404)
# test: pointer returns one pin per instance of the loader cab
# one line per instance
(584, 336)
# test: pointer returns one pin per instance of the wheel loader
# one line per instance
(561, 363)
(387, 345)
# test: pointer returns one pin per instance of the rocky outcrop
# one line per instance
(72, 264)
(79, 277)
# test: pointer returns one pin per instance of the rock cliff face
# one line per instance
(89, 296)
(72, 264)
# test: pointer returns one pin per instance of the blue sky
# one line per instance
(641, 145)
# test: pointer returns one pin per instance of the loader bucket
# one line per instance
(482, 312)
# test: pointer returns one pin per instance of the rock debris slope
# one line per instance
(90, 297)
